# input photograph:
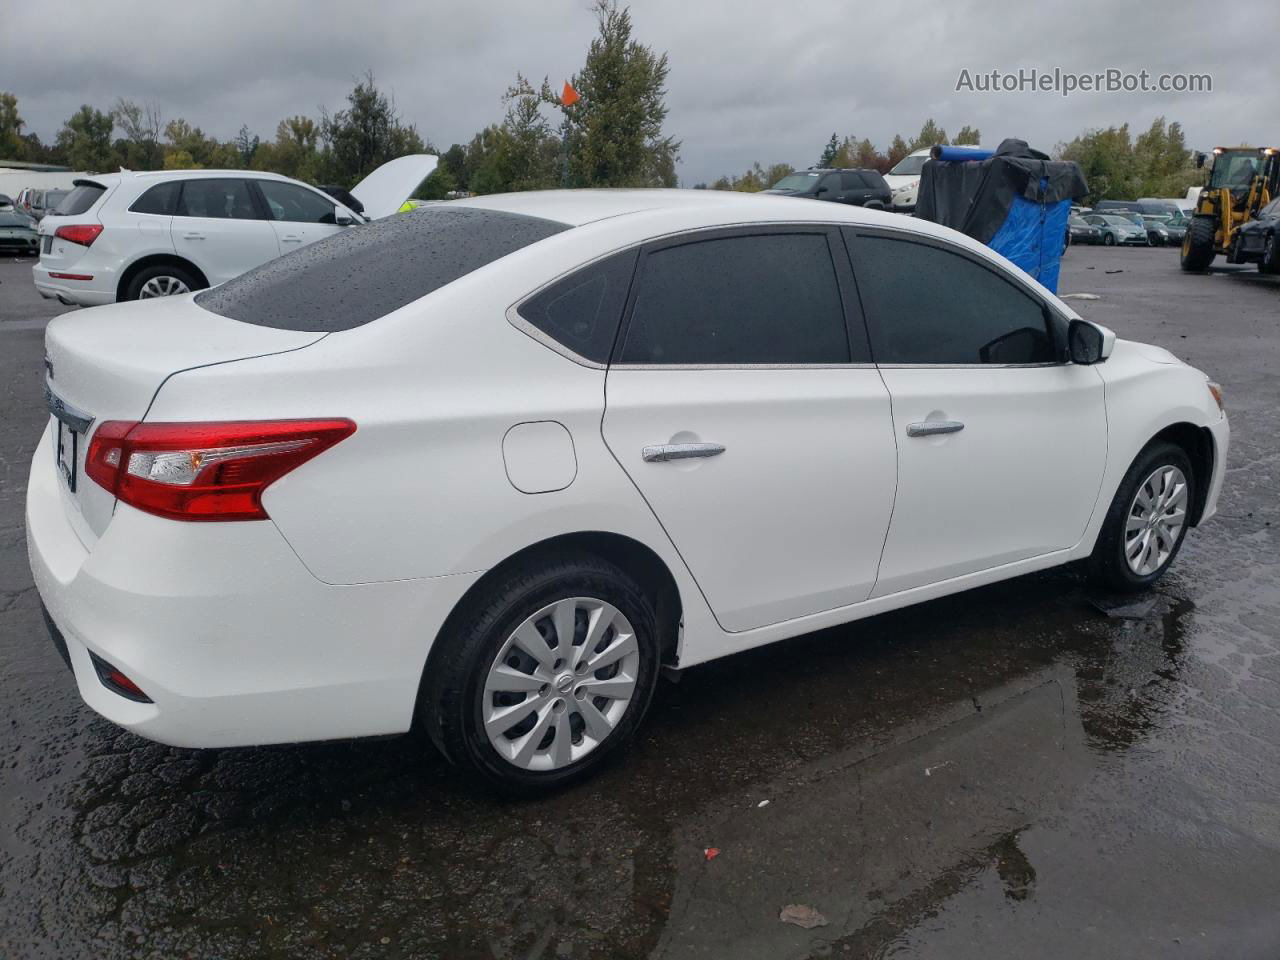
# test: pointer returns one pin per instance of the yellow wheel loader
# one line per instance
(1242, 180)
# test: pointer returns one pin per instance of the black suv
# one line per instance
(860, 188)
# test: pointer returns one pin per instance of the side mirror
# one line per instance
(1089, 343)
(1200, 158)
(343, 221)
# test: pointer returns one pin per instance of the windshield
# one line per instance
(801, 182)
(909, 166)
(1234, 170)
(361, 274)
(1117, 221)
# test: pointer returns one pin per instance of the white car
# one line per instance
(487, 470)
(904, 180)
(131, 236)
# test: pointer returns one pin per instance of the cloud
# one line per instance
(750, 80)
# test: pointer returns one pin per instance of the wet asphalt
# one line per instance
(1008, 772)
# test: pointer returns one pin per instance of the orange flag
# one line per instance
(570, 96)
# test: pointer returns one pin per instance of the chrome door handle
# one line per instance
(662, 452)
(292, 238)
(193, 236)
(931, 428)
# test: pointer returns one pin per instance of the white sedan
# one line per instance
(138, 235)
(485, 469)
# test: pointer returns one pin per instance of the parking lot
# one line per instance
(1008, 772)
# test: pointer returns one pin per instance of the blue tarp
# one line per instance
(1016, 201)
(1032, 236)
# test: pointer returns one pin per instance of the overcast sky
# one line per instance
(750, 80)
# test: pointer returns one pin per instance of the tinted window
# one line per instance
(366, 272)
(928, 305)
(852, 180)
(219, 199)
(770, 298)
(161, 199)
(288, 201)
(831, 183)
(74, 203)
(582, 310)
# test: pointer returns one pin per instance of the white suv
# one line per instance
(131, 236)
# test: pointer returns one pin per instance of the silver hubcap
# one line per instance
(560, 684)
(162, 287)
(1156, 517)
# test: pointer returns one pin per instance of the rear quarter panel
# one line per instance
(421, 489)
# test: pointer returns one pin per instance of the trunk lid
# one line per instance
(386, 189)
(107, 364)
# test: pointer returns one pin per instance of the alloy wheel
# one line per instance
(162, 286)
(560, 684)
(1154, 520)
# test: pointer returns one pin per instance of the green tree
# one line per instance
(140, 147)
(755, 179)
(486, 161)
(12, 144)
(365, 135)
(1107, 161)
(189, 148)
(437, 186)
(831, 153)
(85, 139)
(968, 136)
(614, 132)
(531, 158)
(454, 161)
(897, 150)
(246, 145)
(295, 152)
(929, 134)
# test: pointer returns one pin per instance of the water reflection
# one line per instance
(1005, 696)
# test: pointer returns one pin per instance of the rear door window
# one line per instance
(162, 199)
(221, 199)
(581, 311)
(78, 201)
(769, 298)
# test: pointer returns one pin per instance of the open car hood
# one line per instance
(385, 190)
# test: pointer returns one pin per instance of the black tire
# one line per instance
(1197, 245)
(453, 687)
(161, 271)
(1108, 240)
(1108, 564)
(1270, 262)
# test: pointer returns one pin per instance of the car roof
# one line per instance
(112, 179)
(578, 207)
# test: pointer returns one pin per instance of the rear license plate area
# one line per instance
(66, 448)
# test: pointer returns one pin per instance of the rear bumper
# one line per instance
(225, 630)
(84, 293)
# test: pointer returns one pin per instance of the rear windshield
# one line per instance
(77, 201)
(366, 271)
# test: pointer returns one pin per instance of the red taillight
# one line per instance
(204, 471)
(83, 233)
